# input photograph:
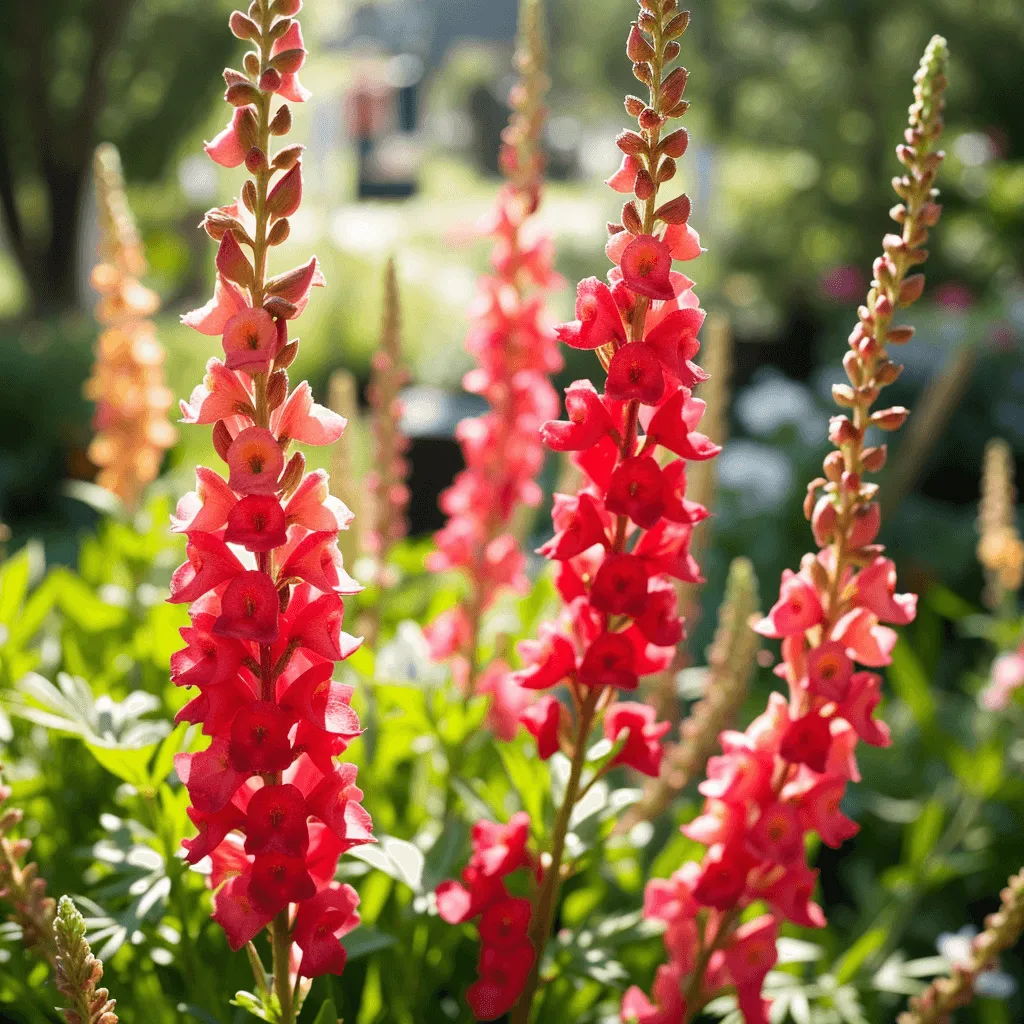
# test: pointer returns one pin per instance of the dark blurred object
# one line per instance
(382, 111)
(73, 73)
(489, 115)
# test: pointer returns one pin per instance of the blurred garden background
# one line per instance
(796, 105)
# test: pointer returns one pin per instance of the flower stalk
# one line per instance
(78, 971)
(786, 774)
(1000, 548)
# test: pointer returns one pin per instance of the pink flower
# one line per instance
(642, 749)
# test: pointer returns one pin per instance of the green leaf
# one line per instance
(365, 941)
(129, 764)
(441, 857)
(397, 858)
(907, 677)
(15, 575)
(328, 1013)
(528, 777)
(924, 833)
(855, 957)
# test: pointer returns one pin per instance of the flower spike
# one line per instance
(264, 574)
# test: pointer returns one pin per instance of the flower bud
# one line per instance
(292, 475)
(674, 145)
(671, 52)
(899, 335)
(279, 232)
(911, 289)
(242, 27)
(644, 186)
(650, 119)
(637, 47)
(233, 77)
(251, 63)
(222, 439)
(898, 213)
(850, 482)
(647, 22)
(634, 106)
(277, 388)
(843, 394)
(642, 73)
(890, 419)
(287, 62)
(887, 372)
(270, 80)
(675, 211)
(631, 218)
(873, 459)
(883, 306)
(672, 89)
(833, 466)
(677, 26)
(840, 430)
(249, 195)
(930, 213)
(823, 521)
(255, 160)
(287, 157)
(286, 195)
(853, 367)
(631, 143)
(287, 8)
(280, 29)
(281, 123)
(287, 355)
(666, 170)
(867, 521)
(241, 94)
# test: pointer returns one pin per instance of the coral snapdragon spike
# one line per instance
(786, 774)
(625, 536)
(127, 381)
(515, 351)
(265, 578)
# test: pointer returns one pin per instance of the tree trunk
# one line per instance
(55, 285)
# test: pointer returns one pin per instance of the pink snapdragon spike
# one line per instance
(515, 352)
(785, 776)
(273, 807)
(622, 539)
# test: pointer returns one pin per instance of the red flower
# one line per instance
(642, 748)
(646, 263)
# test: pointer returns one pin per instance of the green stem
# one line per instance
(280, 935)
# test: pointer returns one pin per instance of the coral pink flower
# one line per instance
(273, 807)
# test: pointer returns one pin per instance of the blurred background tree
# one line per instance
(134, 72)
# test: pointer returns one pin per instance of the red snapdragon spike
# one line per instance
(207, 508)
(609, 661)
(317, 627)
(646, 265)
(250, 339)
(257, 522)
(317, 560)
(635, 374)
(829, 671)
(542, 719)
(315, 697)
(278, 880)
(220, 396)
(275, 822)
(259, 738)
(249, 606)
(588, 421)
(636, 490)
(241, 917)
(585, 529)
(504, 924)
(642, 749)
(255, 460)
(598, 320)
(620, 587)
(210, 563)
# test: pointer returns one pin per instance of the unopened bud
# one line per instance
(631, 143)
(255, 160)
(867, 521)
(221, 439)
(890, 419)
(277, 388)
(666, 170)
(647, 22)
(677, 26)
(650, 119)
(930, 213)
(634, 105)
(631, 219)
(642, 73)
(873, 459)
(823, 521)
(286, 8)
(675, 144)
(899, 335)
(251, 63)
(854, 368)
(883, 306)
(280, 29)
(242, 94)
(675, 211)
(243, 27)
(911, 289)
(233, 77)
(840, 430)
(637, 47)
(843, 394)
(281, 123)
(249, 195)
(279, 231)
(672, 89)
(850, 482)
(887, 372)
(292, 474)
(671, 52)
(270, 80)
(287, 62)
(682, 106)
(644, 187)
(287, 355)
